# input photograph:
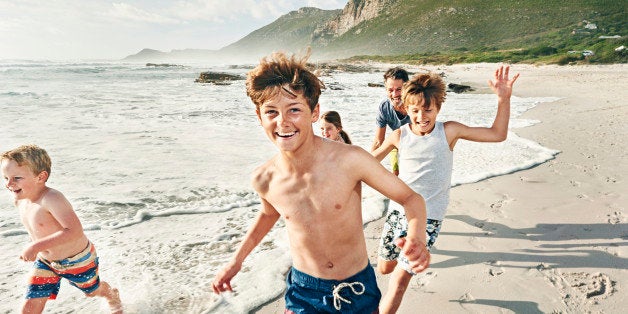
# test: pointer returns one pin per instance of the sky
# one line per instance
(101, 29)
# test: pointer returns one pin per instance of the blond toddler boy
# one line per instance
(59, 248)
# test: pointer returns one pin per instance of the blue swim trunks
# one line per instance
(356, 294)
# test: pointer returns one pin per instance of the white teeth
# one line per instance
(286, 134)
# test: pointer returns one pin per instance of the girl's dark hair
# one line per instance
(333, 117)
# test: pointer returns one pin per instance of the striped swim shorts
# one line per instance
(80, 270)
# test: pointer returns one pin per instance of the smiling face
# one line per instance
(287, 120)
(422, 119)
(21, 181)
(393, 90)
(330, 131)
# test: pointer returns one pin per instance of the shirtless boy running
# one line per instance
(316, 185)
(59, 248)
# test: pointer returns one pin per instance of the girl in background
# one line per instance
(331, 127)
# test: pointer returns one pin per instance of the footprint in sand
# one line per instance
(615, 218)
(497, 206)
(423, 279)
(496, 268)
(579, 289)
(467, 297)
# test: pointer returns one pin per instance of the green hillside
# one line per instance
(459, 31)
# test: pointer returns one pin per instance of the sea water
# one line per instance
(130, 142)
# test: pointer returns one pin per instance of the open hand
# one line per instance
(502, 86)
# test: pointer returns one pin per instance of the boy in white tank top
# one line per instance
(425, 163)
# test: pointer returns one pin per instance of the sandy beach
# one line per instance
(551, 239)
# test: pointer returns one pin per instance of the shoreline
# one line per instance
(550, 238)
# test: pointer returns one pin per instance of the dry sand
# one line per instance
(550, 239)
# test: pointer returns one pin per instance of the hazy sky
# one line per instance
(106, 29)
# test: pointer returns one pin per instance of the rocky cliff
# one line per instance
(354, 12)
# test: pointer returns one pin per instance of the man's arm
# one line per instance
(266, 219)
(380, 133)
(498, 132)
(388, 145)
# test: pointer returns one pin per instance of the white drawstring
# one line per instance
(338, 298)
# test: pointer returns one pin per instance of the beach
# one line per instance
(550, 239)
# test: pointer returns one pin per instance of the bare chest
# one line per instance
(38, 221)
(313, 199)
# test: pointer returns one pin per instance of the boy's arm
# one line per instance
(61, 210)
(266, 219)
(498, 132)
(389, 143)
(382, 180)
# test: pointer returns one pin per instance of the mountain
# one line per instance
(428, 26)
(151, 55)
(291, 32)
(394, 27)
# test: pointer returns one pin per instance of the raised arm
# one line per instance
(266, 219)
(502, 87)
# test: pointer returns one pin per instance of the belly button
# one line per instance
(330, 265)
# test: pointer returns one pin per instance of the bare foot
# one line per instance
(114, 301)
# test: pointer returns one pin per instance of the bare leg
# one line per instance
(399, 281)
(34, 306)
(385, 267)
(111, 295)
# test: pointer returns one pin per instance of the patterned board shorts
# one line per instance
(81, 270)
(395, 227)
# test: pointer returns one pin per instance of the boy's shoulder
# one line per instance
(53, 198)
(261, 176)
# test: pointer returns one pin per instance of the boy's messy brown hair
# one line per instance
(279, 73)
(32, 156)
(430, 85)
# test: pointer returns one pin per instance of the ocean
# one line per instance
(130, 142)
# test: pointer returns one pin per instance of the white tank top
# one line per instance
(425, 165)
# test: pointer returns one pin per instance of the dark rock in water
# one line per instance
(326, 68)
(335, 86)
(458, 88)
(163, 65)
(242, 66)
(217, 78)
(376, 85)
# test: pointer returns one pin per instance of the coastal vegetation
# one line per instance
(453, 31)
